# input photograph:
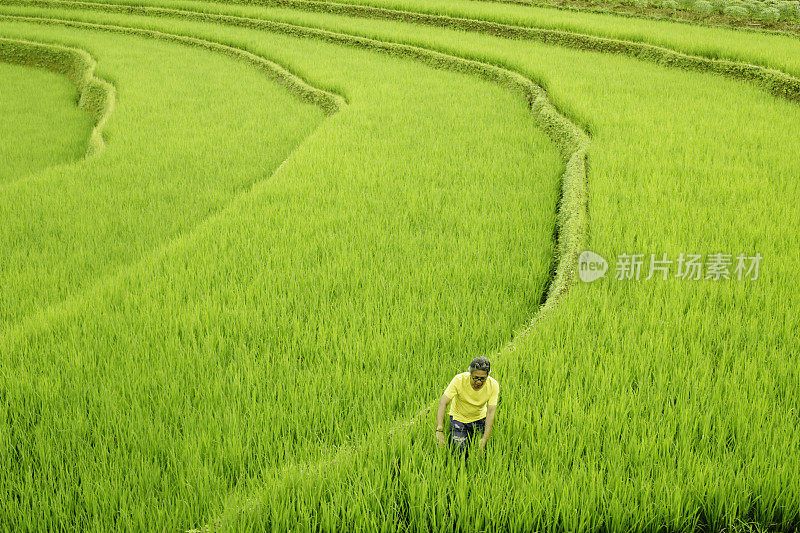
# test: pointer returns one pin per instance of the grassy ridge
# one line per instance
(327, 101)
(329, 266)
(689, 12)
(775, 51)
(779, 83)
(777, 14)
(48, 129)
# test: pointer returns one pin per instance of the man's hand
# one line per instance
(490, 411)
(443, 402)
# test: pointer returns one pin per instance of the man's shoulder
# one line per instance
(463, 378)
(494, 383)
(459, 378)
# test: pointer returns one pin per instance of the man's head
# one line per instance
(479, 372)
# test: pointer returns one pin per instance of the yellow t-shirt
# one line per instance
(469, 405)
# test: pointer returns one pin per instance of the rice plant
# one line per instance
(238, 313)
(42, 125)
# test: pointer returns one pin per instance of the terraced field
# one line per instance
(39, 145)
(237, 276)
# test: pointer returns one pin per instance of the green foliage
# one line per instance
(366, 230)
(780, 84)
(719, 5)
(754, 7)
(777, 52)
(769, 14)
(268, 366)
(736, 11)
(95, 96)
(41, 124)
(787, 10)
(703, 7)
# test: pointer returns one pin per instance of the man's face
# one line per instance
(478, 378)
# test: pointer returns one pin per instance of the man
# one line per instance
(474, 396)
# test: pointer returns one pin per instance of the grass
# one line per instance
(779, 83)
(775, 51)
(100, 215)
(765, 13)
(41, 121)
(336, 251)
(698, 177)
(631, 405)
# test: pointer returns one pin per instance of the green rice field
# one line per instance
(41, 126)
(244, 247)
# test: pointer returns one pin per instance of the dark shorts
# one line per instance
(461, 433)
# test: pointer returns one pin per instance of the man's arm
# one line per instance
(490, 409)
(443, 402)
